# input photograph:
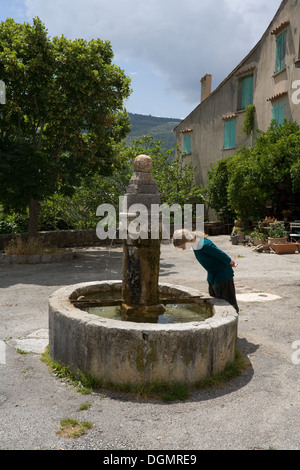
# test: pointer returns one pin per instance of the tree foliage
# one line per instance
(245, 192)
(248, 125)
(63, 111)
(244, 182)
(218, 176)
(295, 175)
(174, 177)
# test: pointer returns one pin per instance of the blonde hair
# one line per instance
(182, 236)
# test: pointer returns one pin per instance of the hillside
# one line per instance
(159, 128)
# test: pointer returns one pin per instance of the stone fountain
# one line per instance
(134, 347)
(141, 255)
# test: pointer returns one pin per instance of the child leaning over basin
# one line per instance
(217, 264)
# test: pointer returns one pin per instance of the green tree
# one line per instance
(295, 175)
(175, 180)
(269, 169)
(218, 176)
(278, 151)
(63, 111)
(246, 192)
(174, 176)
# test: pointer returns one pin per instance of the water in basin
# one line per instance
(174, 313)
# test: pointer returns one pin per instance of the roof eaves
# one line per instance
(278, 95)
(281, 27)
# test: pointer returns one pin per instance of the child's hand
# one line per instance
(233, 264)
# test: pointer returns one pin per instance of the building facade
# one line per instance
(268, 78)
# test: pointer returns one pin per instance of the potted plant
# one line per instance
(234, 238)
(284, 248)
(277, 234)
(258, 237)
(268, 221)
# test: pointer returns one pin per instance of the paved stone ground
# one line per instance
(258, 410)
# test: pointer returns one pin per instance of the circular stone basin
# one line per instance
(128, 352)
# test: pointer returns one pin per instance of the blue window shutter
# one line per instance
(187, 144)
(280, 52)
(247, 91)
(278, 112)
(230, 134)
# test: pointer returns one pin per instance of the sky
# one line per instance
(164, 46)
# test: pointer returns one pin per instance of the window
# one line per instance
(229, 133)
(278, 113)
(187, 144)
(280, 52)
(246, 94)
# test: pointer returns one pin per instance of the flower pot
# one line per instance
(234, 239)
(271, 241)
(285, 248)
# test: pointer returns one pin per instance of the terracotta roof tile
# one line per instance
(280, 27)
(229, 116)
(245, 71)
(278, 95)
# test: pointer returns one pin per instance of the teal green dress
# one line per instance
(219, 272)
(214, 261)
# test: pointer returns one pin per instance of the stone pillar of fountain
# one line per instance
(141, 255)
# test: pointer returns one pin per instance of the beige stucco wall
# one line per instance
(206, 122)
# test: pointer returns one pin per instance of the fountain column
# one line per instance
(141, 254)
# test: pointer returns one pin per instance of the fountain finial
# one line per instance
(143, 163)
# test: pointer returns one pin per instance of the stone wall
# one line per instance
(61, 238)
(77, 238)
